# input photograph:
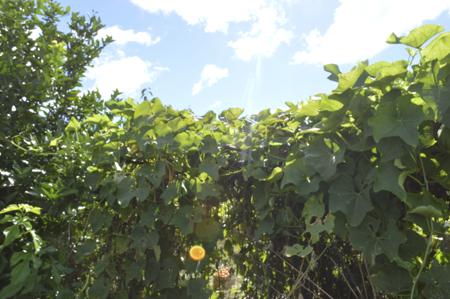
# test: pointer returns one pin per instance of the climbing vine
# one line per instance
(345, 195)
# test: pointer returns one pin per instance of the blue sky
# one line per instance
(255, 54)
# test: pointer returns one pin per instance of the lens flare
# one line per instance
(197, 253)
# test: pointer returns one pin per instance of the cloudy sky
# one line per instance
(256, 54)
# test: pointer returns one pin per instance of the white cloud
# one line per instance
(211, 74)
(361, 27)
(265, 36)
(126, 73)
(266, 18)
(215, 15)
(122, 36)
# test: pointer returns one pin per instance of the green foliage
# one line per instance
(105, 202)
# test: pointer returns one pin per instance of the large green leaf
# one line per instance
(437, 282)
(349, 79)
(211, 167)
(384, 69)
(148, 108)
(383, 279)
(425, 204)
(298, 173)
(188, 140)
(418, 36)
(323, 158)
(399, 118)
(390, 178)
(354, 204)
(231, 114)
(439, 48)
(20, 275)
(374, 240)
(207, 230)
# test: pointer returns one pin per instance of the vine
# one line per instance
(325, 199)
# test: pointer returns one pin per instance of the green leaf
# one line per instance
(170, 193)
(183, 219)
(297, 250)
(384, 281)
(427, 211)
(11, 233)
(147, 216)
(85, 249)
(73, 126)
(334, 71)
(142, 193)
(169, 273)
(21, 207)
(437, 282)
(148, 108)
(309, 108)
(439, 48)
(98, 119)
(207, 230)
(314, 106)
(209, 145)
(120, 243)
(346, 199)
(187, 140)
(265, 227)
(313, 208)
(37, 240)
(157, 252)
(393, 39)
(210, 166)
(418, 36)
(125, 191)
(390, 178)
(143, 239)
(349, 79)
(372, 242)
(399, 118)
(384, 69)
(323, 158)
(198, 289)
(19, 275)
(100, 288)
(231, 114)
(298, 173)
(392, 148)
(330, 105)
(316, 223)
(275, 175)
(132, 271)
(425, 204)
(99, 219)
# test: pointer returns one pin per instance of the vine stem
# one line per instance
(427, 252)
(424, 174)
(372, 286)
(430, 237)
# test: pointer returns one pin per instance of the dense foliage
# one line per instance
(345, 195)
